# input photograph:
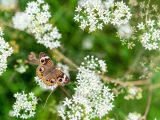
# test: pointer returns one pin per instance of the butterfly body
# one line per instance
(48, 73)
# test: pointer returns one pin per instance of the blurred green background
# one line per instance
(76, 44)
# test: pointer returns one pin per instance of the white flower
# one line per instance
(21, 67)
(133, 93)
(121, 14)
(88, 43)
(25, 105)
(20, 21)
(95, 15)
(134, 116)
(150, 37)
(141, 26)
(91, 99)
(92, 14)
(43, 85)
(8, 3)
(95, 64)
(39, 25)
(125, 31)
(5, 52)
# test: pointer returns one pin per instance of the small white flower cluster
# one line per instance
(25, 105)
(147, 31)
(5, 52)
(134, 116)
(121, 14)
(43, 85)
(124, 31)
(92, 99)
(39, 24)
(20, 21)
(150, 34)
(20, 67)
(133, 93)
(94, 63)
(94, 15)
(35, 20)
(8, 3)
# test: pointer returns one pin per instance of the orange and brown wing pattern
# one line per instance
(48, 73)
(44, 59)
(61, 78)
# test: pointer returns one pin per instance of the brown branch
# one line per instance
(105, 78)
(66, 60)
(124, 84)
(148, 103)
(155, 86)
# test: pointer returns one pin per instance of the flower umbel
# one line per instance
(5, 52)
(20, 21)
(45, 33)
(95, 15)
(133, 93)
(25, 105)
(92, 98)
(134, 116)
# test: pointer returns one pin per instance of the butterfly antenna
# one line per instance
(48, 98)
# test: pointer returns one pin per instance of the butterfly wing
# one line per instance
(61, 78)
(44, 59)
(42, 71)
(48, 73)
(32, 59)
(56, 76)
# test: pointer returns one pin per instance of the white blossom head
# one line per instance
(133, 93)
(134, 116)
(45, 33)
(8, 3)
(125, 31)
(25, 105)
(20, 20)
(93, 63)
(20, 67)
(5, 52)
(95, 15)
(150, 34)
(92, 15)
(92, 99)
(43, 85)
(121, 14)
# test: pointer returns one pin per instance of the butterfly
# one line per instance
(46, 70)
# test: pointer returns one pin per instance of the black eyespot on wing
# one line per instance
(41, 69)
(42, 60)
(60, 80)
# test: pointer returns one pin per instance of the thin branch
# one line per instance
(124, 84)
(148, 103)
(147, 10)
(155, 86)
(105, 78)
(66, 60)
